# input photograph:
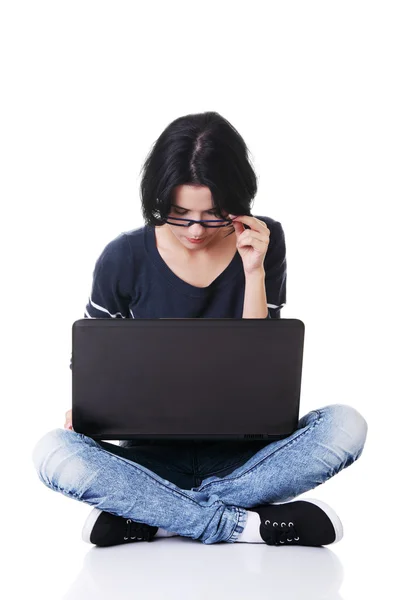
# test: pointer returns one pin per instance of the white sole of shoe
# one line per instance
(89, 524)
(336, 522)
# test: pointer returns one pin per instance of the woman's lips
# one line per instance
(193, 241)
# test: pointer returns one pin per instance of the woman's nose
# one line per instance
(196, 229)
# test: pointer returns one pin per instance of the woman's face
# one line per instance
(195, 202)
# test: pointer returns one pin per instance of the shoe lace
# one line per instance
(280, 534)
(136, 531)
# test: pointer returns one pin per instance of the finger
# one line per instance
(253, 235)
(254, 223)
(256, 244)
(238, 227)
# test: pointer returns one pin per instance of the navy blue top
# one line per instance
(132, 281)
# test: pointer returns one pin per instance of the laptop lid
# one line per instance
(199, 378)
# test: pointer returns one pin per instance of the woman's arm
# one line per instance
(255, 296)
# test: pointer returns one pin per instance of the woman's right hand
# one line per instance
(68, 420)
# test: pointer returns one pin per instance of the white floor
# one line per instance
(51, 561)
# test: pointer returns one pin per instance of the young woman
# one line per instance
(200, 254)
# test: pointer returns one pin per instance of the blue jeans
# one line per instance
(200, 489)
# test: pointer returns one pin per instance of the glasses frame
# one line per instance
(190, 221)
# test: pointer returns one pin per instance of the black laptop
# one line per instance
(186, 379)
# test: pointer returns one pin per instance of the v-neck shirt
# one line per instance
(132, 280)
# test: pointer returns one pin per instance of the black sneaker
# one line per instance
(105, 529)
(307, 522)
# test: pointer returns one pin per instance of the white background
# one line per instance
(313, 87)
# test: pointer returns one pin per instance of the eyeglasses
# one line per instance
(190, 221)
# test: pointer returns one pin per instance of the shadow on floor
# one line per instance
(183, 568)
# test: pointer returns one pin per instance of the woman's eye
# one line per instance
(184, 213)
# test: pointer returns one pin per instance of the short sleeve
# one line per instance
(275, 271)
(109, 296)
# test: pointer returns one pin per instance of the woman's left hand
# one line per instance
(252, 243)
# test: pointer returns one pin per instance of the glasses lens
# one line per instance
(206, 223)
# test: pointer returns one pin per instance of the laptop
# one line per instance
(186, 379)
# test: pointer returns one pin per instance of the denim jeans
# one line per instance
(200, 489)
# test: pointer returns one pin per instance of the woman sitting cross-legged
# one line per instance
(200, 254)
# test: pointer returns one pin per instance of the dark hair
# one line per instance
(198, 149)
